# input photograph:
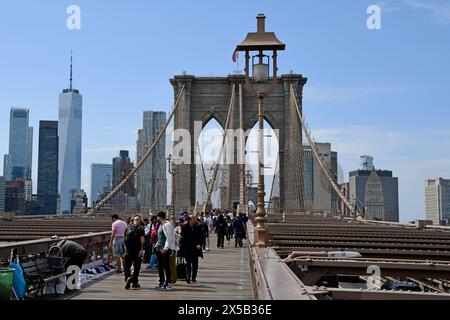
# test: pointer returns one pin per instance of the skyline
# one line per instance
(375, 109)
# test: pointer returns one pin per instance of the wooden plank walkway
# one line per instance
(223, 275)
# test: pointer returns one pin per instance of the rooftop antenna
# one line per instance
(71, 55)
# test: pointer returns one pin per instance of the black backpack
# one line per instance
(132, 238)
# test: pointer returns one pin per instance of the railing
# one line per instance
(93, 242)
(272, 279)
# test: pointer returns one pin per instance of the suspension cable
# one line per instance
(203, 167)
(105, 200)
(319, 160)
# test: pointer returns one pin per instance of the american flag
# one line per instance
(235, 55)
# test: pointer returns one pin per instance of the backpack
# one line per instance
(132, 238)
(154, 233)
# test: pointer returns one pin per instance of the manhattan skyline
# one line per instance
(377, 92)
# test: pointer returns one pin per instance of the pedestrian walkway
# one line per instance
(223, 274)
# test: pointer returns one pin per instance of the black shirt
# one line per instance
(71, 249)
(133, 236)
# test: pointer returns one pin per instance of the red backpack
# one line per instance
(154, 233)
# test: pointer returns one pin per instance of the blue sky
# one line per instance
(379, 92)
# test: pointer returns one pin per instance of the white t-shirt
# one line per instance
(177, 236)
(209, 222)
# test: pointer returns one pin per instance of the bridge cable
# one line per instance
(319, 159)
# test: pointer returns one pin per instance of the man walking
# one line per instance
(116, 243)
(221, 230)
(239, 229)
(191, 243)
(164, 247)
(134, 244)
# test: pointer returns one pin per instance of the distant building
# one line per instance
(366, 162)
(7, 167)
(375, 192)
(151, 181)
(101, 181)
(17, 193)
(437, 201)
(122, 167)
(2, 194)
(318, 192)
(47, 186)
(17, 164)
(69, 131)
(79, 202)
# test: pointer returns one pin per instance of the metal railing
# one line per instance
(93, 242)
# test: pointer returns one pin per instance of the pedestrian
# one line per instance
(177, 232)
(147, 247)
(164, 247)
(116, 243)
(134, 251)
(221, 230)
(73, 251)
(244, 218)
(153, 231)
(238, 228)
(204, 227)
(209, 222)
(191, 243)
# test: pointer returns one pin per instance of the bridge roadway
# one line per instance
(223, 275)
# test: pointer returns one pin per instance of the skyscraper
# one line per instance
(2, 194)
(69, 157)
(318, 192)
(47, 186)
(101, 180)
(122, 166)
(366, 162)
(437, 200)
(17, 164)
(375, 192)
(151, 178)
(17, 193)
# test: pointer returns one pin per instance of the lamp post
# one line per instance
(172, 172)
(260, 42)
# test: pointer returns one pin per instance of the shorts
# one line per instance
(118, 247)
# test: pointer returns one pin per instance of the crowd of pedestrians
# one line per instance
(172, 246)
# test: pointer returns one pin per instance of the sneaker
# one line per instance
(168, 287)
(128, 284)
(159, 287)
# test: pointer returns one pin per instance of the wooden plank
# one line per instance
(223, 275)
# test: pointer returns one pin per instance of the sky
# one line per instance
(379, 92)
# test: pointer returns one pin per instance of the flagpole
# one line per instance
(237, 64)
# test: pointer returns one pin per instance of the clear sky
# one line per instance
(380, 92)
